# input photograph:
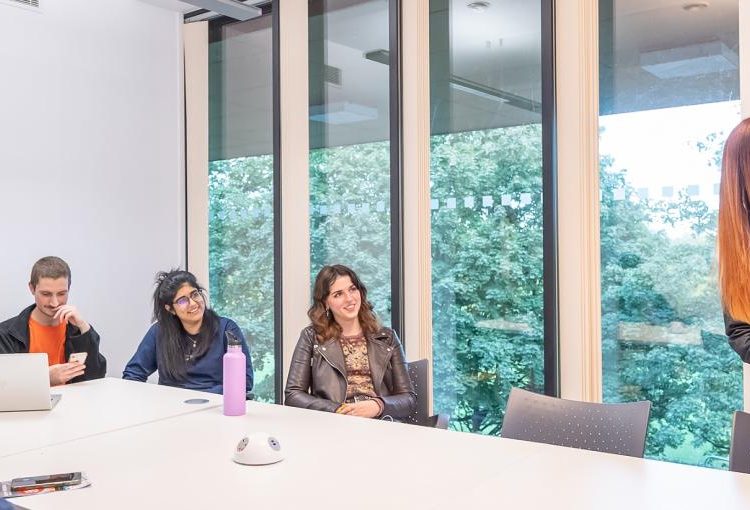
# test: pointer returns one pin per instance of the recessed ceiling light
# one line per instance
(478, 6)
(695, 6)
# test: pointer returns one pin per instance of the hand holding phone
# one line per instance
(64, 372)
(80, 357)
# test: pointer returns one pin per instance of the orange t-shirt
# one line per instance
(49, 339)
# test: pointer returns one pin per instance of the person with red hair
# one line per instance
(733, 239)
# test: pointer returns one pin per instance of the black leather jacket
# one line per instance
(317, 375)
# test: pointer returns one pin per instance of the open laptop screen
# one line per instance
(24, 382)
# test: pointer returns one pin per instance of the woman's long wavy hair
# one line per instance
(733, 240)
(173, 344)
(324, 324)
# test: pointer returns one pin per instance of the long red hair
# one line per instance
(733, 240)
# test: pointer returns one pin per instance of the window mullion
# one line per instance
(577, 88)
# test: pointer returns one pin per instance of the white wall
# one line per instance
(92, 157)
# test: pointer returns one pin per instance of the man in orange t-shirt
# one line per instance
(53, 326)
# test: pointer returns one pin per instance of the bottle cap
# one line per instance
(232, 340)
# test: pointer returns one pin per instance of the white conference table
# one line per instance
(95, 407)
(337, 462)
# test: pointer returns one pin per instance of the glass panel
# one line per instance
(241, 187)
(486, 187)
(349, 142)
(669, 96)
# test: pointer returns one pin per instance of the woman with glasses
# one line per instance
(187, 342)
(346, 362)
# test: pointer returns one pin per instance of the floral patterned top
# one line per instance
(358, 375)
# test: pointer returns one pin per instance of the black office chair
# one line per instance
(739, 450)
(612, 428)
(418, 375)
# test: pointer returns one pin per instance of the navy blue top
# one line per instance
(204, 373)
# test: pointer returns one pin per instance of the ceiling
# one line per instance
(485, 67)
(642, 28)
(172, 5)
(188, 6)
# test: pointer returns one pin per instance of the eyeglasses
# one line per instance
(184, 301)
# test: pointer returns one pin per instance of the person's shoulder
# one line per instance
(730, 321)
(7, 324)
(385, 333)
(227, 323)
(17, 321)
(307, 333)
(152, 331)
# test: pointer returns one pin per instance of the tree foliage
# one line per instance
(651, 278)
(350, 216)
(240, 233)
(487, 272)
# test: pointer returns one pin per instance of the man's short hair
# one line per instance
(49, 267)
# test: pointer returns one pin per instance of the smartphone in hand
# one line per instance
(78, 356)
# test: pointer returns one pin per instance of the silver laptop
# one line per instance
(24, 383)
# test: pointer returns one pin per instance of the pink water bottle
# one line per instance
(234, 377)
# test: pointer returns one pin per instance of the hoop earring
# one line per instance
(328, 313)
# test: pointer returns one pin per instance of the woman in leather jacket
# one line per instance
(346, 362)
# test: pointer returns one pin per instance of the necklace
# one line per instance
(191, 349)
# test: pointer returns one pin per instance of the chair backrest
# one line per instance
(739, 450)
(612, 428)
(421, 416)
(418, 375)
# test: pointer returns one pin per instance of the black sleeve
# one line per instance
(96, 364)
(739, 337)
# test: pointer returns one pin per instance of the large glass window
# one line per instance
(241, 219)
(350, 168)
(487, 224)
(669, 96)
